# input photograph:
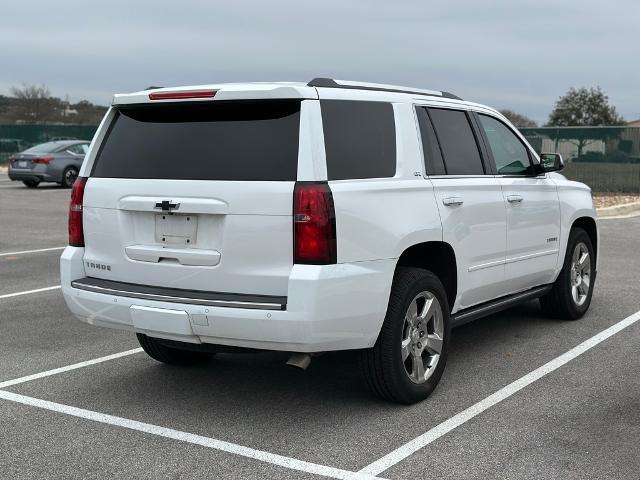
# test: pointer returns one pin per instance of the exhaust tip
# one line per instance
(299, 360)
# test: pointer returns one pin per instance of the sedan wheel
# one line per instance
(69, 177)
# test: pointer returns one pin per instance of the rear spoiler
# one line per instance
(229, 91)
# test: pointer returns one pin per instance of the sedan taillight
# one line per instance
(42, 160)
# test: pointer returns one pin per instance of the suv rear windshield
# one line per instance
(203, 141)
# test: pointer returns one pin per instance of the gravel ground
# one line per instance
(602, 200)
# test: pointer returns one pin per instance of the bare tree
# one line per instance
(518, 119)
(35, 101)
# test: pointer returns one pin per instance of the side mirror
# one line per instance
(550, 162)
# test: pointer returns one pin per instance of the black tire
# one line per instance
(31, 183)
(382, 366)
(170, 355)
(559, 302)
(69, 176)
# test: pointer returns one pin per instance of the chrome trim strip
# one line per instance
(496, 263)
(531, 255)
(174, 299)
(511, 260)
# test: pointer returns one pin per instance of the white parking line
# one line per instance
(37, 250)
(68, 368)
(272, 458)
(280, 460)
(27, 292)
(445, 427)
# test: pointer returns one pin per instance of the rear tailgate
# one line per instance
(195, 195)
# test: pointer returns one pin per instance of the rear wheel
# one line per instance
(570, 296)
(173, 356)
(408, 359)
(69, 177)
(31, 183)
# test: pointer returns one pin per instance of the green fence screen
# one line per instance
(16, 138)
(605, 158)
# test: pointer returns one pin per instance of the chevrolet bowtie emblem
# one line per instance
(167, 206)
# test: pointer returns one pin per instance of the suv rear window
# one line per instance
(359, 139)
(203, 141)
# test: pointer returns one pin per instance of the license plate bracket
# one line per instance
(172, 229)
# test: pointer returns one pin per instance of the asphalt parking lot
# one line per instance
(249, 416)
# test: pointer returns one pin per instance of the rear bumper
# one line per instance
(16, 174)
(332, 307)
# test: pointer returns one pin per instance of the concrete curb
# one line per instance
(626, 209)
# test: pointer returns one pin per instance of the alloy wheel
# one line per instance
(580, 276)
(422, 337)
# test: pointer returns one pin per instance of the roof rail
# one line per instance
(331, 83)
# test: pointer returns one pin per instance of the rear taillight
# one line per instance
(76, 233)
(314, 224)
(44, 160)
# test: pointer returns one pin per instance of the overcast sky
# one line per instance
(509, 54)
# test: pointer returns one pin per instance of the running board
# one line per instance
(494, 306)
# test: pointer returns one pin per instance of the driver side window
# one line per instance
(509, 153)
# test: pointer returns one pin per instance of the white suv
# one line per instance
(324, 216)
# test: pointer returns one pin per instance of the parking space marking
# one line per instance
(272, 458)
(28, 292)
(445, 427)
(68, 368)
(37, 250)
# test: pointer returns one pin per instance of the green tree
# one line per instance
(518, 119)
(584, 107)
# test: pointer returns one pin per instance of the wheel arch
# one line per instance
(439, 258)
(589, 225)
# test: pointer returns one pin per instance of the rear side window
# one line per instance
(359, 139)
(203, 141)
(458, 143)
(433, 161)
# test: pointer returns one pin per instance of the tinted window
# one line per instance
(459, 147)
(203, 141)
(79, 149)
(430, 148)
(359, 139)
(508, 151)
(48, 147)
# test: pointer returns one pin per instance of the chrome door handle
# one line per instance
(514, 198)
(452, 201)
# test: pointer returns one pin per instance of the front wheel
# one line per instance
(570, 296)
(408, 359)
(170, 355)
